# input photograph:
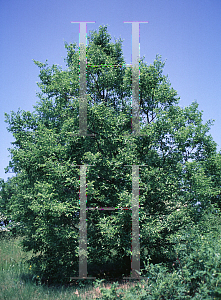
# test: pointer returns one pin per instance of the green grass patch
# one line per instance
(195, 273)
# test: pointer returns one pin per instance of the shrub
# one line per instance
(196, 273)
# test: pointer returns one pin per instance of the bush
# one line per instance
(196, 273)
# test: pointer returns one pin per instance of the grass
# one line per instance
(196, 273)
(17, 282)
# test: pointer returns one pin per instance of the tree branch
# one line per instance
(97, 85)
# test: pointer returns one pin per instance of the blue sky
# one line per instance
(185, 32)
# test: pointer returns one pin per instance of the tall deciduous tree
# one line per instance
(176, 186)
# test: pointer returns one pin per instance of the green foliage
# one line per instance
(180, 158)
(195, 273)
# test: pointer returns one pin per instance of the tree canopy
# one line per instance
(179, 179)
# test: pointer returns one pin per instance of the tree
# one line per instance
(175, 148)
(7, 189)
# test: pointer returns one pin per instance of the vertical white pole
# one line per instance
(82, 78)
